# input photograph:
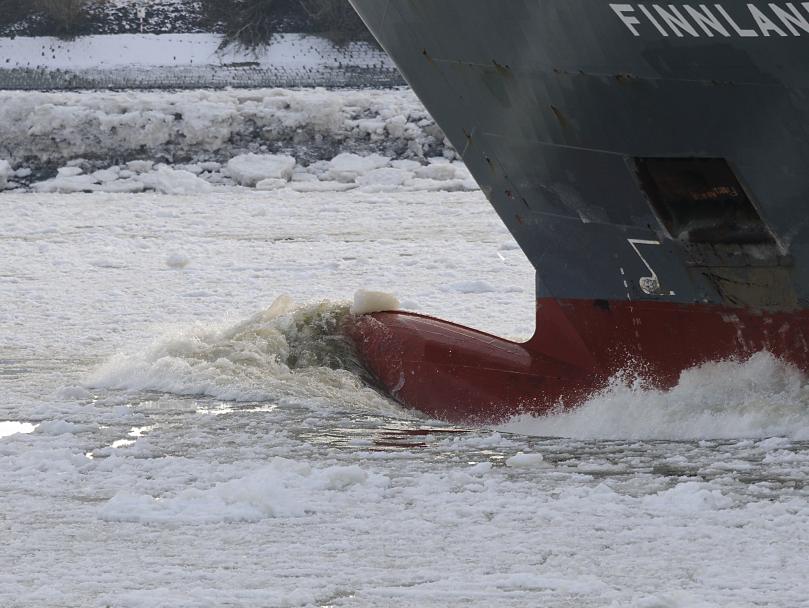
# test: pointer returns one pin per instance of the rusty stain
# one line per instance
(563, 120)
(519, 218)
(427, 55)
(503, 69)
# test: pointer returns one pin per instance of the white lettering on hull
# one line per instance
(691, 20)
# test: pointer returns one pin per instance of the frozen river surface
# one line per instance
(174, 434)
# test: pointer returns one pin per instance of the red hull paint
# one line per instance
(458, 374)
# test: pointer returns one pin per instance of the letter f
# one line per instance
(624, 12)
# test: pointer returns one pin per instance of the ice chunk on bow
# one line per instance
(366, 302)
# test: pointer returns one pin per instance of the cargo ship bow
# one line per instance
(651, 161)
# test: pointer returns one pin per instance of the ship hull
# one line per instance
(650, 162)
(458, 374)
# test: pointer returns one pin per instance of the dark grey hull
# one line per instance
(555, 106)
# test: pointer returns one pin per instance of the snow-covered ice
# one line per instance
(525, 460)
(56, 128)
(176, 431)
(250, 169)
(348, 167)
(182, 424)
(5, 173)
(193, 142)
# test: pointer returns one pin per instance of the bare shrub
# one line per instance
(248, 23)
(336, 19)
(59, 17)
(251, 23)
(13, 11)
(66, 15)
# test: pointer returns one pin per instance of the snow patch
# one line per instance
(689, 497)
(69, 171)
(73, 393)
(471, 287)
(250, 169)
(269, 184)
(67, 182)
(386, 177)
(480, 468)
(437, 171)
(521, 460)
(62, 427)
(177, 260)
(347, 167)
(174, 181)
(5, 173)
(287, 51)
(282, 489)
(12, 427)
(676, 599)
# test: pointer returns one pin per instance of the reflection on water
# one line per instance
(12, 427)
(373, 434)
(135, 432)
(229, 408)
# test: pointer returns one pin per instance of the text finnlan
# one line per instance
(697, 20)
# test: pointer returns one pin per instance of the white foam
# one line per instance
(283, 351)
(756, 398)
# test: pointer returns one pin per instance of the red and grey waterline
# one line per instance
(651, 161)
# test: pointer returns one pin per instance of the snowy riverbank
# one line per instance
(183, 61)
